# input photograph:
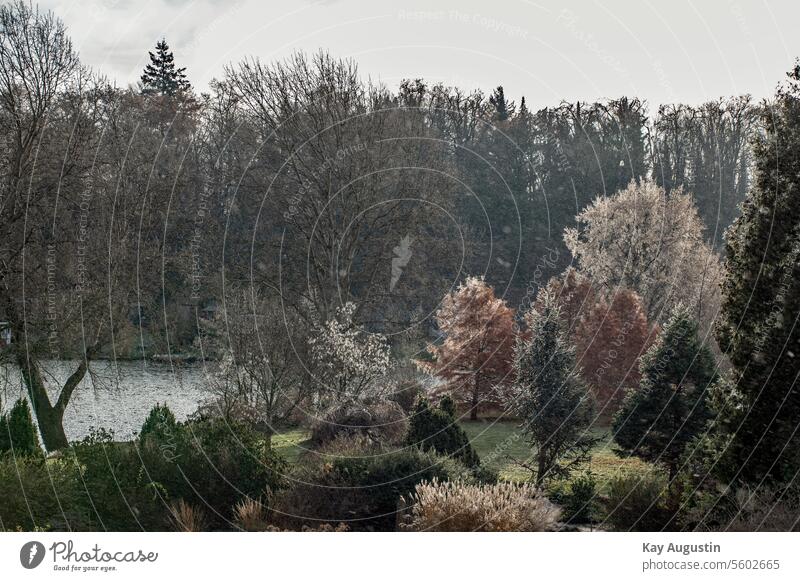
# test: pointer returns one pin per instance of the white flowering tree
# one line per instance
(348, 359)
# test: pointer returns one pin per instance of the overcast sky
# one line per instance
(547, 50)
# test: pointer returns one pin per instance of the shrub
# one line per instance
(456, 506)
(39, 494)
(578, 499)
(437, 430)
(749, 510)
(212, 463)
(359, 486)
(378, 421)
(636, 503)
(116, 496)
(17, 431)
(159, 423)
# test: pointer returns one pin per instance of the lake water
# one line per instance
(120, 397)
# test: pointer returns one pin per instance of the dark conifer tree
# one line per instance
(761, 303)
(502, 109)
(659, 420)
(161, 77)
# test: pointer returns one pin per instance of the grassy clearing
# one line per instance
(498, 444)
(291, 444)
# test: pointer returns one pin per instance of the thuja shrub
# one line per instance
(578, 498)
(17, 432)
(457, 506)
(359, 484)
(437, 429)
(637, 503)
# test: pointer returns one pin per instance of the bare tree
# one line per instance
(261, 370)
(348, 173)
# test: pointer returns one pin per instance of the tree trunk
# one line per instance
(541, 468)
(49, 417)
(473, 413)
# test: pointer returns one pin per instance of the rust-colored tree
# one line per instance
(575, 296)
(475, 359)
(610, 338)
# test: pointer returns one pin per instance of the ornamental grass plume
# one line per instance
(455, 506)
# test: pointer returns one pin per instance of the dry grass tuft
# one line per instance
(250, 515)
(502, 507)
(188, 518)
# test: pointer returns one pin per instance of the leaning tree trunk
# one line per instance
(49, 417)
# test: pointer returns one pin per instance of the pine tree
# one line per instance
(17, 432)
(659, 420)
(161, 77)
(761, 295)
(549, 396)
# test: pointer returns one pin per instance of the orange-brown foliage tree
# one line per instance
(574, 294)
(609, 339)
(475, 358)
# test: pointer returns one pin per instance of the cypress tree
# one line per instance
(758, 326)
(658, 421)
(161, 77)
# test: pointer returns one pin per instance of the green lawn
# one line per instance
(498, 444)
(291, 444)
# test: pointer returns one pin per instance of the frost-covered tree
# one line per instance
(649, 241)
(759, 322)
(348, 359)
(549, 395)
(475, 358)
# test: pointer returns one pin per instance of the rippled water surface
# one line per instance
(120, 396)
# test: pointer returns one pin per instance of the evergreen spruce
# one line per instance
(549, 395)
(161, 77)
(759, 328)
(502, 109)
(659, 420)
(17, 431)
